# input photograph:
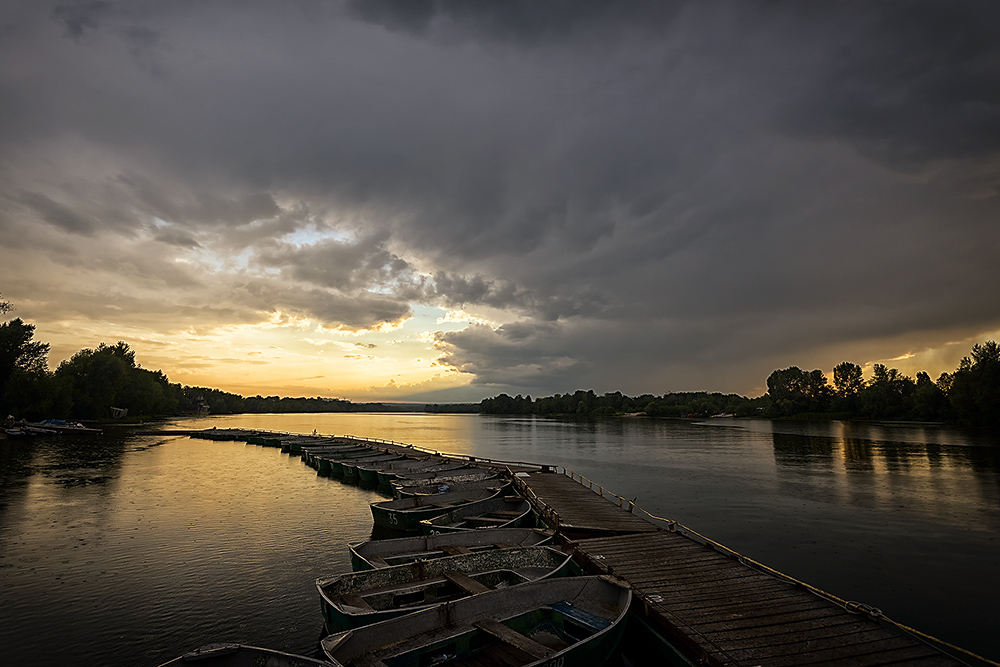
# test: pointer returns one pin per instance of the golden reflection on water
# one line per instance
(939, 473)
(868, 465)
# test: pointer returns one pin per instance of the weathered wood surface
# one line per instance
(580, 511)
(731, 614)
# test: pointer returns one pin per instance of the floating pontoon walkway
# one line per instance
(721, 610)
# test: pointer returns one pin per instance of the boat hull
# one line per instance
(406, 514)
(500, 512)
(360, 598)
(239, 655)
(580, 619)
(374, 554)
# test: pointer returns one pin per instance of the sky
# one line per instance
(435, 200)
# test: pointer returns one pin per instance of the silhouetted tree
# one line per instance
(975, 391)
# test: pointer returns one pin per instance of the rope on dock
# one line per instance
(850, 605)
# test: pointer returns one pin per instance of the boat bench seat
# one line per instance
(514, 638)
(466, 583)
(355, 600)
(454, 550)
(581, 616)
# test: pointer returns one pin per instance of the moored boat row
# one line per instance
(470, 574)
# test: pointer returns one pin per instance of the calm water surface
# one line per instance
(130, 550)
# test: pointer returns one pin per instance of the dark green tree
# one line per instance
(848, 379)
(975, 387)
(793, 391)
(23, 361)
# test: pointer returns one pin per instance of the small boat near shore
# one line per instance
(61, 426)
(359, 598)
(405, 514)
(241, 655)
(375, 554)
(498, 512)
(564, 622)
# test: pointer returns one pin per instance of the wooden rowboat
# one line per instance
(374, 554)
(337, 461)
(405, 514)
(358, 598)
(499, 512)
(445, 487)
(435, 471)
(401, 487)
(372, 472)
(565, 622)
(350, 468)
(310, 452)
(239, 655)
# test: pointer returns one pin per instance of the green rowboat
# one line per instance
(563, 622)
(356, 599)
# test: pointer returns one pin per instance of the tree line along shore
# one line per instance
(970, 396)
(96, 384)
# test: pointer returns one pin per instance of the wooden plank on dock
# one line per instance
(579, 510)
(732, 614)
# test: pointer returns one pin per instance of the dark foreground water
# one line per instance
(130, 550)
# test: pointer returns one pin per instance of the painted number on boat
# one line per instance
(556, 662)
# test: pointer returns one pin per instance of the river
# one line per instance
(125, 549)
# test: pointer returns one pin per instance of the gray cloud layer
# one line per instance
(668, 195)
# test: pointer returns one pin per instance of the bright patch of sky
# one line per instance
(312, 235)
(460, 317)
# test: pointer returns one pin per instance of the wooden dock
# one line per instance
(719, 610)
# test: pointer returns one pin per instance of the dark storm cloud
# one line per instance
(177, 238)
(521, 21)
(57, 214)
(339, 264)
(916, 83)
(658, 193)
(80, 17)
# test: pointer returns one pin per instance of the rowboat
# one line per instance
(564, 622)
(444, 487)
(374, 554)
(294, 445)
(350, 468)
(499, 512)
(239, 655)
(358, 598)
(263, 441)
(405, 514)
(386, 473)
(314, 448)
(322, 460)
(432, 472)
(336, 461)
(401, 487)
